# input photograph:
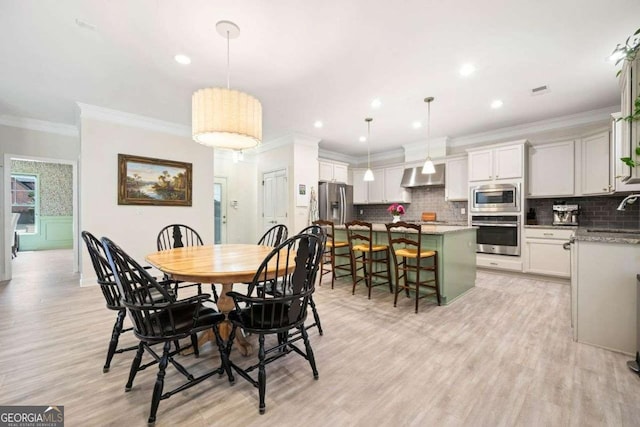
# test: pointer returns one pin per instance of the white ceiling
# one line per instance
(322, 60)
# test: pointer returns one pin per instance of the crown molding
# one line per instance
(529, 129)
(39, 125)
(338, 157)
(132, 120)
(292, 138)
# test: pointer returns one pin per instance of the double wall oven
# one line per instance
(495, 210)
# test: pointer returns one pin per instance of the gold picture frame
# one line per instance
(157, 182)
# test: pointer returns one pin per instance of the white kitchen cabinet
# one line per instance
(360, 187)
(595, 164)
(332, 171)
(376, 187)
(498, 163)
(629, 135)
(619, 170)
(456, 179)
(393, 192)
(499, 262)
(551, 170)
(544, 251)
(604, 299)
(384, 189)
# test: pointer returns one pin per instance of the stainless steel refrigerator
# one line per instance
(335, 202)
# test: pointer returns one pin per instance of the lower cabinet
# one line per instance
(499, 262)
(604, 302)
(544, 251)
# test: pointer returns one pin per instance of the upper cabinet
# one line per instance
(571, 168)
(360, 187)
(333, 171)
(628, 137)
(595, 164)
(497, 163)
(551, 170)
(385, 189)
(456, 179)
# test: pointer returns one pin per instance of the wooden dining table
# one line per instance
(224, 264)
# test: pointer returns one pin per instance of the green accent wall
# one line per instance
(54, 224)
(54, 232)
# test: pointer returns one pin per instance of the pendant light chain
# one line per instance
(428, 129)
(368, 143)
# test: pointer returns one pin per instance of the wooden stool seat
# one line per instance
(413, 253)
(374, 248)
(338, 244)
(405, 243)
(362, 249)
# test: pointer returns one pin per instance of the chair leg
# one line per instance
(406, 271)
(309, 351)
(214, 292)
(354, 271)
(135, 365)
(395, 294)
(115, 334)
(194, 344)
(316, 317)
(332, 254)
(369, 274)
(262, 374)
(223, 354)
(389, 271)
(157, 389)
(435, 272)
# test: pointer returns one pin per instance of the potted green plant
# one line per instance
(628, 52)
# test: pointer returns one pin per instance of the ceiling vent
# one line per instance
(540, 90)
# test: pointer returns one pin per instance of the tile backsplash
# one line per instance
(423, 199)
(597, 211)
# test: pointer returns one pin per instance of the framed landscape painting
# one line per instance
(148, 181)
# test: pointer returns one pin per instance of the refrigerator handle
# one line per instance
(343, 202)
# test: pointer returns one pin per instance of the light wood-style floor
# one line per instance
(501, 355)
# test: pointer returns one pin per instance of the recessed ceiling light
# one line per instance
(496, 103)
(376, 103)
(318, 124)
(467, 69)
(416, 124)
(182, 59)
(362, 139)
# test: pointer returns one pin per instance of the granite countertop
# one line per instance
(425, 228)
(613, 235)
(550, 226)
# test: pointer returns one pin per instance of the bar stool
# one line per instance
(363, 250)
(405, 247)
(329, 254)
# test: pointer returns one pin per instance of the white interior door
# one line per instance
(275, 198)
(220, 210)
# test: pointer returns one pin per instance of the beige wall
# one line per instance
(242, 186)
(135, 228)
(19, 142)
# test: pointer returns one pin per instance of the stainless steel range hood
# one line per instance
(413, 177)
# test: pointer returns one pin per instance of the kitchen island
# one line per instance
(456, 246)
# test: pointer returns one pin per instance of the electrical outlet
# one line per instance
(463, 211)
(361, 211)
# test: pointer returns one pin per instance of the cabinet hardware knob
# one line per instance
(605, 189)
(493, 263)
(548, 234)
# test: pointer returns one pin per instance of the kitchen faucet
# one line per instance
(630, 199)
